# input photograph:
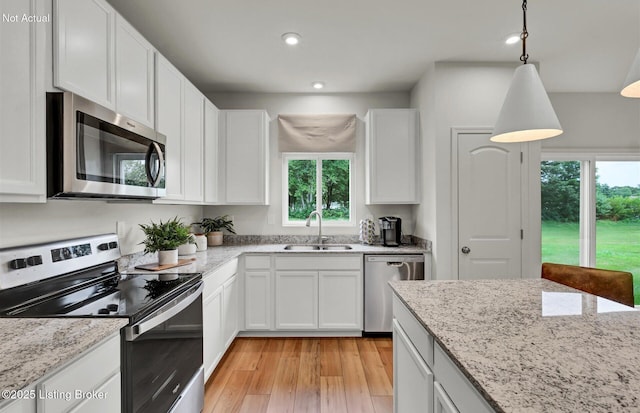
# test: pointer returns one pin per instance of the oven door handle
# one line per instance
(163, 314)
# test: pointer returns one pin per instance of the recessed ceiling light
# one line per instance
(317, 85)
(513, 38)
(291, 38)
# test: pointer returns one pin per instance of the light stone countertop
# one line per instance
(214, 257)
(534, 345)
(31, 348)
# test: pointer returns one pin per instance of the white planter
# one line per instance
(214, 238)
(168, 257)
(188, 249)
(201, 242)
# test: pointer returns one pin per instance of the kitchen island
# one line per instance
(526, 345)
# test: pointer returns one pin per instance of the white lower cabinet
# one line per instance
(340, 300)
(442, 402)
(258, 300)
(315, 292)
(230, 310)
(96, 374)
(23, 405)
(213, 346)
(219, 313)
(412, 378)
(296, 300)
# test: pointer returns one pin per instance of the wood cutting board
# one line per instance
(158, 267)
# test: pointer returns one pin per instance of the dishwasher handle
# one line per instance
(394, 258)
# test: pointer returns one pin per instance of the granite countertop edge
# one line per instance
(493, 403)
(54, 341)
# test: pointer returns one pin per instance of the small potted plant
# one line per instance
(213, 228)
(165, 238)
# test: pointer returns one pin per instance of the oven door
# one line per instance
(163, 356)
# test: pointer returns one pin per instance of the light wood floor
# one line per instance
(282, 375)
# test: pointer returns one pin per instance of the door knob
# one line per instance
(465, 250)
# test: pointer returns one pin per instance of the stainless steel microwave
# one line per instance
(93, 152)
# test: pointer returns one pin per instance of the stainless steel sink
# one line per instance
(317, 247)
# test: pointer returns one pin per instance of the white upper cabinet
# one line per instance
(392, 152)
(180, 117)
(169, 85)
(100, 56)
(83, 46)
(193, 125)
(22, 104)
(211, 151)
(245, 153)
(134, 74)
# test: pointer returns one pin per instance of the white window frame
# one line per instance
(587, 222)
(318, 157)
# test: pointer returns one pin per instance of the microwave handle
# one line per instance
(154, 147)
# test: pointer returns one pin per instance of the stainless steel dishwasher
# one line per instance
(378, 271)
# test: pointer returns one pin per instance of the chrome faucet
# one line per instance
(308, 223)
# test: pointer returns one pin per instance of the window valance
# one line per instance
(317, 133)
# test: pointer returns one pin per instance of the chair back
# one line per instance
(614, 285)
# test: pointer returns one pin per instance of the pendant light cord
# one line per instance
(524, 34)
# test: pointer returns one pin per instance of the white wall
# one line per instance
(451, 95)
(266, 220)
(596, 121)
(471, 95)
(22, 224)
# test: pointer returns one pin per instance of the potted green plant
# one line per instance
(213, 228)
(165, 237)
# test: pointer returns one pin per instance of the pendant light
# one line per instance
(526, 114)
(631, 87)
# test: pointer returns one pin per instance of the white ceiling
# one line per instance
(383, 45)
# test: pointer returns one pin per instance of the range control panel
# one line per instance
(27, 264)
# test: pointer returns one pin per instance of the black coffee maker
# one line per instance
(390, 231)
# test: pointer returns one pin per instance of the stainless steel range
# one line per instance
(161, 347)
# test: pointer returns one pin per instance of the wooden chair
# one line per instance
(614, 285)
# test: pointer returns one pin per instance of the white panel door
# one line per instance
(134, 74)
(193, 143)
(212, 343)
(340, 300)
(22, 105)
(257, 300)
(412, 378)
(83, 45)
(296, 300)
(230, 310)
(169, 123)
(489, 217)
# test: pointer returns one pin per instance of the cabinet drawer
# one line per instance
(257, 262)
(107, 398)
(462, 393)
(217, 277)
(319, 262)
(87, 373)
(421, 339)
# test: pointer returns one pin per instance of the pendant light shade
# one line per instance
(526, 114)
(631, 87)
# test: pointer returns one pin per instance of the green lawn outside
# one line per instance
(617, 246)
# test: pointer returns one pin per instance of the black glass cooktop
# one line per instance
(96, 292)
